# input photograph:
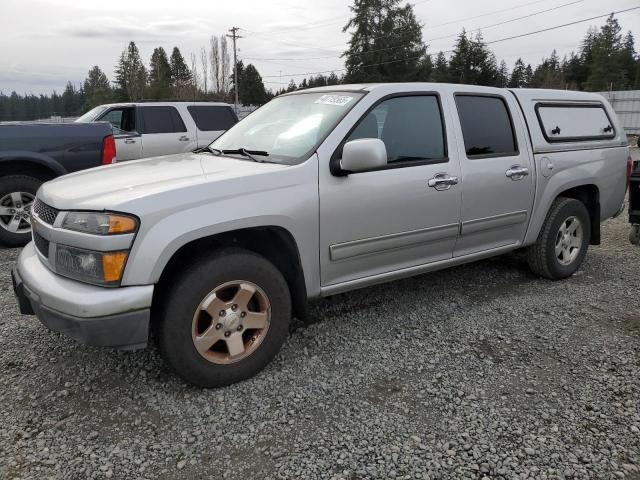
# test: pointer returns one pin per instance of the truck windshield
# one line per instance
(289, 128)
(91, 115)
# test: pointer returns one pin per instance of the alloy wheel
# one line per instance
(569, 240)
(15, 212)
(231, 322)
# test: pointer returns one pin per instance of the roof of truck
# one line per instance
(528, 93)
(165, 103)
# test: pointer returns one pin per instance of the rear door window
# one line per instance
(486, 126)
(574, 123)
(160, 119)
(212, 118)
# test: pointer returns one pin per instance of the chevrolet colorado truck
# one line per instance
(318, 192)
(31, 154)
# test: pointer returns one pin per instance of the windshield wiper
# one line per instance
(247, 153)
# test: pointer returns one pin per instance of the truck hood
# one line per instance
(113, 187)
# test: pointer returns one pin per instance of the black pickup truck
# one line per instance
(31, 154)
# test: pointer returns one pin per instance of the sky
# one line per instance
(46, 43)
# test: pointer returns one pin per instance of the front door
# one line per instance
(164, 132)
(497, 175)
(400, 216)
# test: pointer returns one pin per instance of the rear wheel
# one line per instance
(563, 241)
(225, 318)
(17, 193)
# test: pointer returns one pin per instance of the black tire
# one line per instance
(542, 256)
(186, 293)
(10, 184)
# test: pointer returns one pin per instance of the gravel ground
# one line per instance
(481, 371)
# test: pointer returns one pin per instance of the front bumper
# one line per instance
(115, 317)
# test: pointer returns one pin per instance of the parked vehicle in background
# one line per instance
(151, 129)
(318, 192)
(634, 200)
(31, 154)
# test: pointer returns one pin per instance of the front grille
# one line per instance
(46, 213)
(42, 244)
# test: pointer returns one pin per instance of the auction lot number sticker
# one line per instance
(338, 100)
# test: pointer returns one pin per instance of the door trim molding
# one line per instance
(365, 246)
(495, 221)
(335, 288)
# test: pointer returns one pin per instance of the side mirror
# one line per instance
(363, 154)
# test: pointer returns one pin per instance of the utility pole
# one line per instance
(236, 81)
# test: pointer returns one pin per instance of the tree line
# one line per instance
(207, 77)
(386, 45)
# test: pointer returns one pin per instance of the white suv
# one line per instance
(150, 129)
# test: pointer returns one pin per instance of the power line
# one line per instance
(428, 40)
(486, 43)
(540, 12)
(560, 26)
(485, 14)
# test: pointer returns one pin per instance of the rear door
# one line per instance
(163, 131)
(211, 121)
(497, 175)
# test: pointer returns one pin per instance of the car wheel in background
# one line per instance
(17, 193)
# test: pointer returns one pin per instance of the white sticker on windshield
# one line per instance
(339, 100)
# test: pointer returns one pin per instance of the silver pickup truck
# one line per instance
(319, 192)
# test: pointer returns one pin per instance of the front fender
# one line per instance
(292, 206)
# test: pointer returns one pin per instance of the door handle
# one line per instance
(184, 138)
(129, 141)
(442, 181)
(517, 172)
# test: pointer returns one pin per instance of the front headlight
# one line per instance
(101, 268)
(98, 223)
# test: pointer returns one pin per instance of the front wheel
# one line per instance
(225, 318)
(563, 241)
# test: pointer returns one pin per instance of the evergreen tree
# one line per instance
(180, 75)
(97, 89)
(440, 71)
(252, 91)
(72, 101)
(472, 62)
(502, 75)
(333, 79)
(607, 70)
(386, 42)
(159, 74)
(292, 86)
(519, 75)
(549, 73)
(131, 76)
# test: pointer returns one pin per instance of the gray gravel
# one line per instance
(482, 371)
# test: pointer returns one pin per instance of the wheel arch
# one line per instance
(588, 193)
(30, 163)
(275, 243)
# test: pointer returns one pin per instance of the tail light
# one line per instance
(108, 150)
